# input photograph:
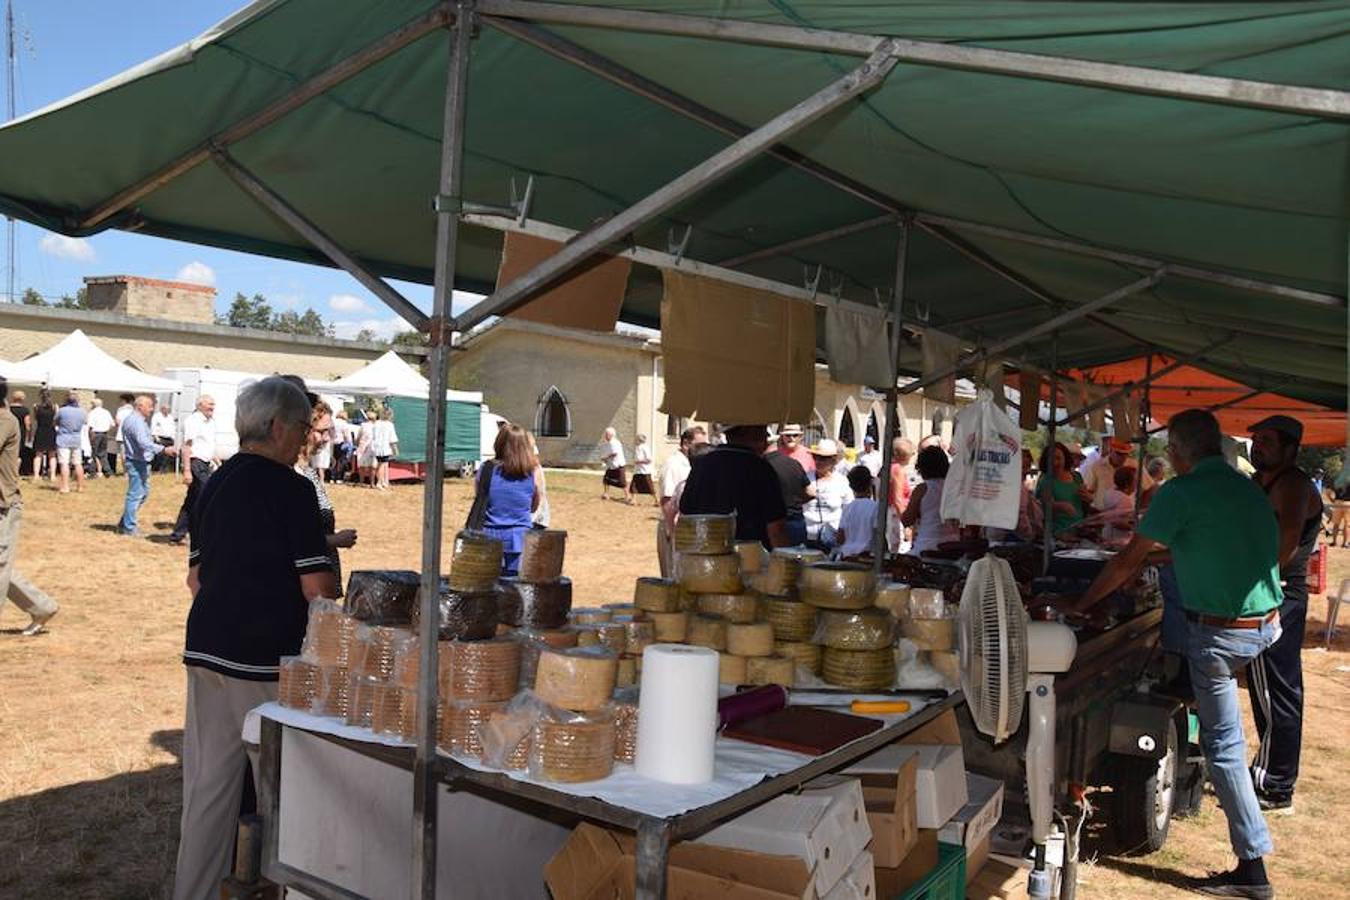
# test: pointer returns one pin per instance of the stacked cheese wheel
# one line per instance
(854, 635)
(573, 739)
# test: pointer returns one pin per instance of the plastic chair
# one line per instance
(1334, 603)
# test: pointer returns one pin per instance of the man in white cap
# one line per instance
(824, 510)
(871, 456)
(1100, 475)
(790, 445)
(1275, 678)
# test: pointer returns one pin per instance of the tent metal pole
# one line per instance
(440, 337)
(326, 80)
(936, 225)
(595, 240)
(1048, 472)
(1049, 325)
(1150, 377)
(1307, 101)
(1145, 411)
(277, 205)
(1193, 319)
(1197, 273)
(1235, 401)
(809, 241)
(892, 402)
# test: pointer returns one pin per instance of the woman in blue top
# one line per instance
(515, 488)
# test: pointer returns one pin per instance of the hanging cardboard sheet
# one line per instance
(1077, 397)
(735, 354)
(1097, 418)
(940, 351)
(858, 346)
(1121, 424)
(1029, 387)
(589, 298)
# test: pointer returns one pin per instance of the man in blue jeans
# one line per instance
(1225, 546)
(139, 448)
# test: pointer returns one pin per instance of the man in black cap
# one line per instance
(1275, 679)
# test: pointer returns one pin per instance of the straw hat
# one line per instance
(826, 447)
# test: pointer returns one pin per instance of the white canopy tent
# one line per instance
(388, 376)
(77, 362)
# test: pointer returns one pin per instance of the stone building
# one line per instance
(155, 344)
(151, 298)
(568, 386)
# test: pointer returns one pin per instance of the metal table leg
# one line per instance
(653, 851)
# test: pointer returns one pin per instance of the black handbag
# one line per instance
(478, 511)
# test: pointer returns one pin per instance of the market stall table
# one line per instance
(659, 813)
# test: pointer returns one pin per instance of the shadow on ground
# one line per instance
(111, 839)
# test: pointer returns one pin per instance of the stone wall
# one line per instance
(152, 298)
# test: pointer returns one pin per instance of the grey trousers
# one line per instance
(213, 777)
(25, 595)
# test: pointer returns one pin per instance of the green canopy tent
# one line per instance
(1072, 183)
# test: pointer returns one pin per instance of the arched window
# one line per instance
(553, 418)
(846, 436)
(874, 426)
(675, 425)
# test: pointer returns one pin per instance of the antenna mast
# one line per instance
(11, 225)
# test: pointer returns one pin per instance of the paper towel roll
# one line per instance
(677, 718)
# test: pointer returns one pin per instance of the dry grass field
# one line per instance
(91, 712)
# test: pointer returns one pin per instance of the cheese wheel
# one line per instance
(707, 631)
(737, 608)
(731, 669)
(475, 562)
(394, 712)
(714, 574)
(462, 615)
(670, 627)
(580, 749)
(613, 636)
(541, 554)
(948, 663)
(374, 649)
(863, 670)
(893, 596)
(460, 724)
(298, 683)
(926, 603)
(580, 679)
(770, 670)
(625, 731)
(837, 585)
(382, 597)
(626, 673)
(656, 595)
(705, 535)
(930, 634)
(590, 615)
(361, 699)
(862, 629)
(803, 654)
(334, 691)
(328, 636)
(792, 620)
(532, 642)
(750, 639)
(529, 604)
(753, 556)
(638, 634)
(481, 670)
(631, 610)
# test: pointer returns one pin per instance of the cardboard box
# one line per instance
(891, 797)
(974, 821)
(998, 881)
(939, 784)
(597, 864)
(922, 859)
(976, 857)
(858, 883)
(825, 826)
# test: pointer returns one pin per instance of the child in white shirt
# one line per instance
(859, 519)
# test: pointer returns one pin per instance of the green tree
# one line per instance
(309, 322)
(79, 301)
(409, 339)
(250, 313)
(32, 298)
(365, 334)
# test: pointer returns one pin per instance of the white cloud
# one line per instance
(347, 303)
(197, 273)
(59, 245)
(384, 329)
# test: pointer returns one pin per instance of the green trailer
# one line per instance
(463, 435)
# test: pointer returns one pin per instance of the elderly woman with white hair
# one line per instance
(258, 558)
(611, 451)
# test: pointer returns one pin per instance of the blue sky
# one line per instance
(65, 46)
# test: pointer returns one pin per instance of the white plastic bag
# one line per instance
(985, 482)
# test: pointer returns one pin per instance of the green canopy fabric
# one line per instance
(1245, 191)
(463, 426)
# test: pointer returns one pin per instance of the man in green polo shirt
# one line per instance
(1225, 547)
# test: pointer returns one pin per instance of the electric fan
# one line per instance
(1004, 656)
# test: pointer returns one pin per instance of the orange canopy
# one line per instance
(1188, 387)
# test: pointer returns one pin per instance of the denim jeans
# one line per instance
(1215, 656)
(796, 529)
(1174, 623)
(138, 488)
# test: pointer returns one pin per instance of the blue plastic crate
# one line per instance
(947, 881)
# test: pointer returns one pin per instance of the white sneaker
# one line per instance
(37, 626)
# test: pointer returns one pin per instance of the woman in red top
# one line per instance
(902, 455)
